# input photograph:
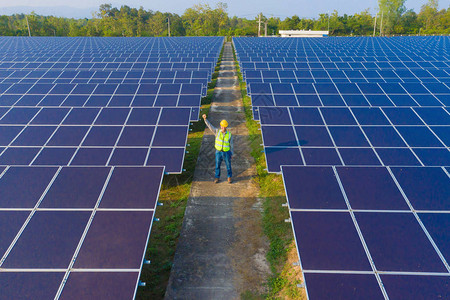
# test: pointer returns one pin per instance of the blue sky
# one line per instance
(240, 8)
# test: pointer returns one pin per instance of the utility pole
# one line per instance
(375, 24)
(381, 25)
(28, 25)
(168, 26)
(328, 22)
(265, 28)
(259, 25)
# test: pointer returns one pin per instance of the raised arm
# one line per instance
(210, 126)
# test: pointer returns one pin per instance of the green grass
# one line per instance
(174, 194)
(276, 229)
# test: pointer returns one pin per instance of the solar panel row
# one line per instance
(381, 224)
(355, 136)
(413, 47)
(103, 95)
(347, 76)
(62, 49)
(64, 226)
(108, 60)
(359, 128)
(67, 88)
(97, 74)
(371, 60)
(86, 135)
(95, 136)
(349, 94)
(195, 66)
(107, 77)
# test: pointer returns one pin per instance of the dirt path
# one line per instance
(221, 251)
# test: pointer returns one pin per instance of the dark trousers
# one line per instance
(226, 156)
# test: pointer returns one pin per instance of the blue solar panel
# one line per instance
(400, 235)
(370, 116)
(344, 286)
(336, 237)
(320, 192)
(91, 127)
(304, 88)
(86, 134)
(42, 285)
(86, 192)
(365, 164)
(84, 285)
(310, 136)
(416, 286)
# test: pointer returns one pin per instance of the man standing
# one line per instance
(224, 147)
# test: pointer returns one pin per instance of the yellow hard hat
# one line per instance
(224, 123)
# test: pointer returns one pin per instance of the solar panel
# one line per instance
(88, 128)
(371, 127)
(52, 212)
(358, 127)
(101, 95)
(33, 136)
(374, 211)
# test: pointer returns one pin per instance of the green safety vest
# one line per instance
(223, 141)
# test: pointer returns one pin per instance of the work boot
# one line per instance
(229, 180)
(216, 180)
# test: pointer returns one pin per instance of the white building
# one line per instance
(302, 33)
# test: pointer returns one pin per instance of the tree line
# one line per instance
(203, 20)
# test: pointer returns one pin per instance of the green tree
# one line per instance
(273, 25)
(391, 11)
(5, 26)
(157, 25)
(433, 21)
(322, 22)
(306, 24)
(361, 24)
(443, 22)
(127, 20)
(337, 26)
(203, 20)
(409, 23)
(428, 14)
(34, 23)
(141, 20)
(290, 23)
(176, 25)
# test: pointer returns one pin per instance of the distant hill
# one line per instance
(57, 11)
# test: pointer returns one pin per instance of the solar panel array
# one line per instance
(88, 128)
(360, 130)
